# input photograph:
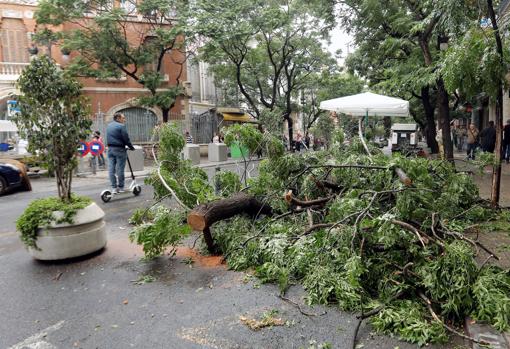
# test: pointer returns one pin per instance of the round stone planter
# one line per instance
(85, 235)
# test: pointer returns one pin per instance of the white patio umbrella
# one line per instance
(365, 104)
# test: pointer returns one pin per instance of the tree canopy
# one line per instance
(274, 55)
(53, 118)
(137, 42)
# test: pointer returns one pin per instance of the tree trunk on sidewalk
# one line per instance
(444, 119)
(496, 172)
(290, 127)
(430, 127)
(165, 112)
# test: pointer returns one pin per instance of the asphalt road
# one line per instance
(95, 302)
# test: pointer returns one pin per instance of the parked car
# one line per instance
(13, 174)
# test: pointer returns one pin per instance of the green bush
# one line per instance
(39, 214)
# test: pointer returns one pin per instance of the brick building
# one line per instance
(17, 25)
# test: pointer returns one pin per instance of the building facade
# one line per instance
(17, 26)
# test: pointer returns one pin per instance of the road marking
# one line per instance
(37, 341)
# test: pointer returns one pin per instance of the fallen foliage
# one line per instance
(268, 319)
(347, 228)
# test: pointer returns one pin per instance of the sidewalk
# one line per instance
(204, 163)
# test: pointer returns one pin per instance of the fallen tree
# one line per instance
(205, 215)
(381, 236)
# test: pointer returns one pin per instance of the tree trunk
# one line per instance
(166, 112)
(430, 127)
(291, 131)
(205, 215)
(444, 119)
(496, 171)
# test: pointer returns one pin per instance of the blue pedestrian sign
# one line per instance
(12, 108)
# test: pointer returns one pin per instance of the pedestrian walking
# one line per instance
(307, 141)
(453, 134)
(461, 137)
(488, 138)
(506, 141)
(100, 158)
(117, 139)
(299, 139)
(189, 138)
(472, 141)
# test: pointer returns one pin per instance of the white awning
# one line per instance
(367, 103)
(8, 126)
(404, 127)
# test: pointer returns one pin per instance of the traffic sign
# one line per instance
(96, 148)
(83, 148)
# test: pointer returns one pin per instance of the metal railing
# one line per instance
(203, 126)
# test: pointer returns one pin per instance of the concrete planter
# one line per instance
(192, 152)
(217, 152)
(87, 234)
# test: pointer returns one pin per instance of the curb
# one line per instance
(146, 172)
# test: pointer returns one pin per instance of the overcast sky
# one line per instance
(340, 40)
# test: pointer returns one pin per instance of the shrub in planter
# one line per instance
(53, 118)
(40, 214)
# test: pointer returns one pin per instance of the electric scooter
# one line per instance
(136, 189)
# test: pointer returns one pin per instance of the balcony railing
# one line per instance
(11, 71)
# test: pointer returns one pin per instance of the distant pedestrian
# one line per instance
(439, 140)
(461, 137)
(488, 138)
(506, 141)
(97, 137)
(299, 139)
(472, 141)
(189, 138)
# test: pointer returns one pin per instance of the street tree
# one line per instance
(400, 51)
(478, 62)
(53, 118)
(323, 86)
(136, 41)
(271, 55)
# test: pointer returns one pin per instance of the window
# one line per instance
(128, 5)
(104, 5)
(14, 41)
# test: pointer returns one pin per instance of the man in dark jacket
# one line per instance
(117, 139)
(488, 136)
(506, 141)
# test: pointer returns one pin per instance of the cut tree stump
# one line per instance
(205, 215)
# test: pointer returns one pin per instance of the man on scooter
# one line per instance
(117, 139)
